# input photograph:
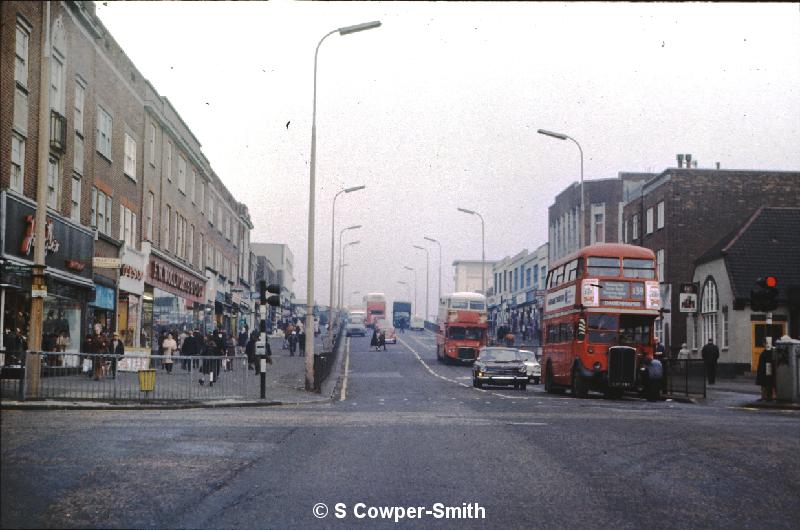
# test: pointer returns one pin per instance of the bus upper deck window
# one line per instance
(597, 266)
(639, 268)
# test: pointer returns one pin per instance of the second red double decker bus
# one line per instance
(600, 308)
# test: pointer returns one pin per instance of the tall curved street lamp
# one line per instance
(312, 177)
(438, 298)
(341, 270)
(341, 233)
(414, 273)
(561, 136)
(333, 223)
(483, 248)
(427, 276)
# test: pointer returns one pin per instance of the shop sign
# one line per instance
(106, 263)
(687, 298)
(103, 297)
(67, 246)
(174, 278)
(39, 291)
(131, 272)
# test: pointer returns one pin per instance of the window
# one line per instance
(202, 196)
(625, 232)
(151, 133)
(130, 156)
(660, 215)
(649, 221)
(210, 207)
(127, 226)
(635, 228)
(527, 277)
(77, 159)
(192, 184)
(53, 189)
(599, 231)
(104, 125)
(228, 227)
(190, 245)
(181, 174)
(166, 219)
(21, 56)
(638, 268)
(201, 255)
(179, 235)
(17, 162)
(724, 329)
(75, 211)
(148, 226)
(21, 110)
(80, 97)
(660, 264)
(209, 256)
(57, 83)
(603, 266)
(168, 161)
(101, 211)
(709, 305)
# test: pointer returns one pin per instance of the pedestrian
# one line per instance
(685, 353)
(659, 351)
(382, 340)
(99, 347)
(230, 352)
(250, 350)
(373, 342)
(242, 340)
(117, 349)
(209, 365)
(168, 348)
(292, 341)
(765, 375)
(187, 349)
(710, 354)
(510, 339)
(301, 340)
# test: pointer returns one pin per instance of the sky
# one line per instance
(438, 108)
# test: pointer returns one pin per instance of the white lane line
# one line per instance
(429, 369)
(343, 395)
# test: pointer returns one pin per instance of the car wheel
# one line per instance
(579, 388)
(536, 380)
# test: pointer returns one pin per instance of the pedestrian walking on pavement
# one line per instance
(373, 342)
(765, 375)
(168, 348)
(208, 367)
(117, 349)
(292, 341)
(685, 353)
(301, 340)
(250, 350)
(710, 354)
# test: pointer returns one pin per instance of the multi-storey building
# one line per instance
(683, 211)
(142, 235)
(517, 291)
(468, 276)
(282, 259)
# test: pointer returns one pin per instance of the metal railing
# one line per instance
(685, 377)
(324, 361)
(79, 376)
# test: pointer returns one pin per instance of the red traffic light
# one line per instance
(771, 281)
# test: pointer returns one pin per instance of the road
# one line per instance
(406, 431)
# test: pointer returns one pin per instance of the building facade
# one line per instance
(468, 278)
(145, 236)
(280, 257)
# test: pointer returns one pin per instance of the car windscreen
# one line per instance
(499, 355)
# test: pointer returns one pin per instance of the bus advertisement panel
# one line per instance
(462, 327)
(600, 308)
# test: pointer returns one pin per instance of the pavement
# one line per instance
(285, 385)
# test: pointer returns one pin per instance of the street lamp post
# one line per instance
(427, 276)
(565, 137)
(414, 272)
(341, 233)
(483, 248)
(312, 177)
(408, 289)
(333, 222)
(440, 267)
(341, 265)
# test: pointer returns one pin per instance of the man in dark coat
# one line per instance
(117, 349)
(188, 349)
(250, 351)
(710, 354)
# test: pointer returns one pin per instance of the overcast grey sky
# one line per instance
(439, 107)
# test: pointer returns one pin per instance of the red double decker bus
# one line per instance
(600, 308)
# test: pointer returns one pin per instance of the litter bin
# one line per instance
(787, 369)
(147, 380)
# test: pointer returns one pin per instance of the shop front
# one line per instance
(172, 300)
(129, 301)
(68, 276)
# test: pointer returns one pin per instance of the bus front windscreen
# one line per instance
(461, 333)
(620, 329)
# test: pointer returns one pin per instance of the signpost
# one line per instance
(687, 298)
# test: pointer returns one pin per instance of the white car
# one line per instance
(417, 323)
(355, 326)
(532, 365)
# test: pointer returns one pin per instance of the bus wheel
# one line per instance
(579, 389)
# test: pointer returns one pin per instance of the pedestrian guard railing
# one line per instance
(82, 376)
(324, 361)
(685, 377)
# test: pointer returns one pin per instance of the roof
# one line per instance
(765, 245)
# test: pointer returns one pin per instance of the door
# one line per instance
(760, 332)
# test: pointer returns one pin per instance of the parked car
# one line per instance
(499, 366)
(532, 365)
(355, 326)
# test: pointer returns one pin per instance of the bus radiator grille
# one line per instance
(621, 366)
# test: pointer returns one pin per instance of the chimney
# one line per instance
(688, 161)
(680, 161)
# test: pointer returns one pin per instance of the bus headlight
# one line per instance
(597, 366)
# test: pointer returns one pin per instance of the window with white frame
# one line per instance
(724, 329)
(660, 215)
(151, 140)
(192, 184)
(635, 227)
(599, 232)
(166, 219)
(625, 231)
(21, 110)
(21, 54)
(127, 226)
(53, 187)
(649, 221)
(168, 161)
(201, 197)
(104, 128)
(201, 255)
(709, 306)
(209, 255)
(210, 207)
(130, 156)
(101, 211)
(75, 211)
(180, 235)
(148, 209)
(17, 162)
(80, 99)
(190, 245)
(57, 83)
(219, 216)
(181, 174)
(77, 159)
(227, 227)
(218, 260)
(660, 264)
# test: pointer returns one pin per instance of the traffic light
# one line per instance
(275, 299)
(765, 296)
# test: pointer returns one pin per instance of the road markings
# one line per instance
(343, 395)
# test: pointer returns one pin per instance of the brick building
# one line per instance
(682, 212)
(126, 180)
